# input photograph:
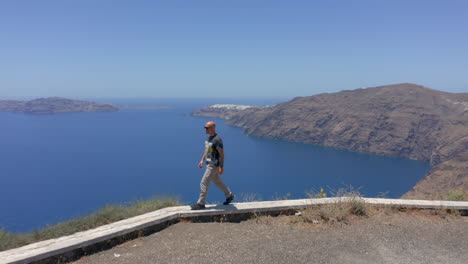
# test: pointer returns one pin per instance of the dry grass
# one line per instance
(249, 197)
(349, 204)
(336, 212)
(108, 214)
(348, 207)
(261, 218)
(331, 215)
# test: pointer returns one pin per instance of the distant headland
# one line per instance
(53, 105)
(224, 111)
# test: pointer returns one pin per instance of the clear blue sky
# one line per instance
(97, 48)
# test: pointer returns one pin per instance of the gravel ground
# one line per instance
(396, 238)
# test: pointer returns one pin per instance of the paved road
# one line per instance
(398, 238)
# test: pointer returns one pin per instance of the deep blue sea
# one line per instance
(57, 167)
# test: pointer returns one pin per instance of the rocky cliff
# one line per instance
(404, 120)
(53, 105)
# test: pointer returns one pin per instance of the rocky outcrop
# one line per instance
(54, 105)
(404, 120)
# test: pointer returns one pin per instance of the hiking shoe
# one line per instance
(229, 199)
(197, 206)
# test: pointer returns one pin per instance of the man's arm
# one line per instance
(221, 157)
(221, 160)
(200, 164)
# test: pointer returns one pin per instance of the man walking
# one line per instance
(214, 156)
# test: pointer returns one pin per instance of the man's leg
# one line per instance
(205, 184)
(220, 184)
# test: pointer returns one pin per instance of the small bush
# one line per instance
(321, 194)
(337, 212)
(314, 194)
(456, 195)
(358, 207)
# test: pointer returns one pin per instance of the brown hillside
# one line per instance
(404, 120)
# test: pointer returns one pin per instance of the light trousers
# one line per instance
(212, 174)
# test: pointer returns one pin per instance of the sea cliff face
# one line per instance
(54, 105)
(403, 120)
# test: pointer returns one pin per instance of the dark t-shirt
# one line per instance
(212, 144)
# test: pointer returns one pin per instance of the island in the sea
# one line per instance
(53, 105)
(403, 120)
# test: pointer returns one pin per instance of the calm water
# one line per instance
(56, 167)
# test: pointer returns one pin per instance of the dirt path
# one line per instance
(396, 238)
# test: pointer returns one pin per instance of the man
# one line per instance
(214, 156)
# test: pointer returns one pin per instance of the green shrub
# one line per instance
(456, 195)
